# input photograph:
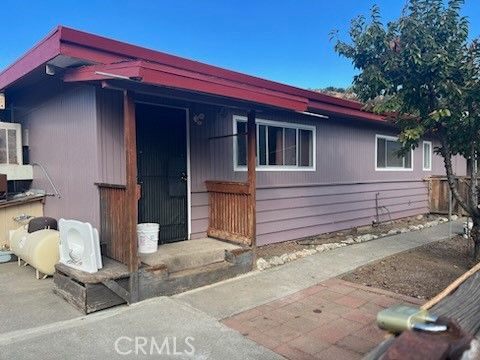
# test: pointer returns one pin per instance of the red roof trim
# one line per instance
(170, 70)
(125, 50)
(44, 51)
(156, 74)
(89, 73)
(338, 110)
(94, 56)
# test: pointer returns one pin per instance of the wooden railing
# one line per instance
(231, 214)
(113, 220)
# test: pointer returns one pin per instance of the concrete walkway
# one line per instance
(190, 320)
(239, 294)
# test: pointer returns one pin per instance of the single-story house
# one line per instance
(128, 134)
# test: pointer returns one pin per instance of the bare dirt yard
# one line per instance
(422, 272)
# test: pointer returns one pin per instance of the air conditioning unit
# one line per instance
(11, 153)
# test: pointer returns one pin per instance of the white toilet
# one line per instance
(79, 246)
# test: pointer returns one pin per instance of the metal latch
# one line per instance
(399, 318)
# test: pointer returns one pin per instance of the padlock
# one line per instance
(399, 318)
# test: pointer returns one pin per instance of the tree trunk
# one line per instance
(475, 235)
(467, 204)
(453, 185)
(470, 205)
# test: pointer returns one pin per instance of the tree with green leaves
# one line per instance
(423, 72)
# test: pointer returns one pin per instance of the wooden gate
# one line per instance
(439, 194)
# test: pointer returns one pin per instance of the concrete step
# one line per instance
(188, 254)
(159, 282)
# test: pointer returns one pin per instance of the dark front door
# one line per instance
(162, 170)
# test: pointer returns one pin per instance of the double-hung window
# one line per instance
(280, 146)
(427, 156)
(387, 157)
(10, 144)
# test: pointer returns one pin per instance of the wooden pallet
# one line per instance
(93, 292)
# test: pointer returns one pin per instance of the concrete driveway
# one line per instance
(38, 325)
(26, 302)
(161, 327)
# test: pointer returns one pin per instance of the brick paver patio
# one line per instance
(332, 320)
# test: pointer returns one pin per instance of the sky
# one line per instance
(281, 40)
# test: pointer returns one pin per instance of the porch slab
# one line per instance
(188, 254)
(192, 264)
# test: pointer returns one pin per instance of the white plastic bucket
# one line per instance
(147, 234)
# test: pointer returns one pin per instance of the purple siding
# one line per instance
(62, 132)
(111, 152)
(199, 214)
(82, 126)
(345, 154)
(340, 194)
(288, 213)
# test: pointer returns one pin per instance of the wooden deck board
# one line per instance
(462, 305)
(111, 270)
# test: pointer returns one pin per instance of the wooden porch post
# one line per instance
(252, 174)
(131, 198)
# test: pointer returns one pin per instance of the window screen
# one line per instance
(427, 155)
(277, 146)
(3, 146)
(388, 157)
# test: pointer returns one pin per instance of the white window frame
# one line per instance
(430, 154)
(390, 168)
(236, 167)
(18, 128)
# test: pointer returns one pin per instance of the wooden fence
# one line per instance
(439, 194)
(113, 221)
(230, 215)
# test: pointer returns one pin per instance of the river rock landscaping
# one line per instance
(279, 254)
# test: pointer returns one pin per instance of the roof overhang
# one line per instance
(316, 106)
(97, 58)
(40, 54)
(167, 76)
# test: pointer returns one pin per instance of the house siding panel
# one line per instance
(297, 233)
(339, 194)
(199, 215)
(345, 153)
(110, 137)
(62, 137)
(332, 208)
